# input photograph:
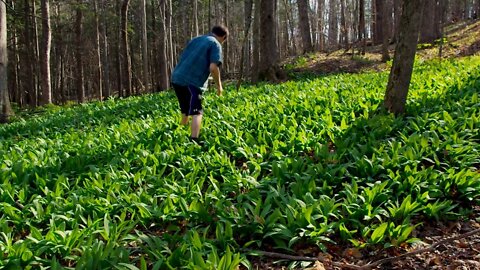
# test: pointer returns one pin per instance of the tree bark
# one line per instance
(268, 66)
(14, 81)
(256, 41)
(379, 22)
(401, 72)
(143, 11)
(385, 32)
(429, 29)
(361, 26)
(29, 81)
(397, 13)
(343, 25)
(106, 52)
(36, 55)
(6, 110)
(248, 21)
(333, 26)
(195, 17)
(162, 50)
(46, 97)
(98, 50)
(304, 24)
(127, 76)
(320, 22)
(80, 80)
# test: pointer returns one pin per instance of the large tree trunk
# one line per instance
(127, 76)
(195, 17)
(333, 26)
(46, 97)
(268, 68)
(430, 26)
(80, 79)
(320, 23)
(6, 111)
(379, 30)
(401, 72)
(304, 22)
(397, 13)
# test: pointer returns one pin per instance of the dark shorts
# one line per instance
(189, 98)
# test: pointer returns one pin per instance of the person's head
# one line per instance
(221, 32)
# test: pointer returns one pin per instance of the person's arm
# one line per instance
(215, 71)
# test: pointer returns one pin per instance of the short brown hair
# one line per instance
(220, 30)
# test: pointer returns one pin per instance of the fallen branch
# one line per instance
(307, 259)
(369, 266)
(430, 248)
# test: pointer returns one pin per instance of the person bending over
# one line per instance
(201, 57)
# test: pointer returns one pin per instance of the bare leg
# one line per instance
(196, 124)
(184, 120)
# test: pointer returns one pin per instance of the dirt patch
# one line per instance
(339, 64)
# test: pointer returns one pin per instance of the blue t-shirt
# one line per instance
(194, 65)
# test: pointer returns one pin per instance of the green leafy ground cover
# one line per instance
(118, 185)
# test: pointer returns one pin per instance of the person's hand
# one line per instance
(219, 91)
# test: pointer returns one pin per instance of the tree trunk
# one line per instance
(256, 41)
(248, 22)
(385, 32)
(333, 26)
(248, 9)
(379, 22)
(268, 69)
(106, 66)
(320, 22)
(401, 72)
(15, 82)
(80, 80)
(171, 49)
(397, 13)
(361, 26)
(127, 76)
(343, 25)
(304, 24)
(288, 13)
(429, 32)
(146, 80)
(195, 17)
(29, 82)
(6, 110)
(477, 10)
(36, 56)
(98, 54)
(45, 54)
(442, 10)
(162, 50)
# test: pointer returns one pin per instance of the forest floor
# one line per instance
(446, 245)
(462, 39)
